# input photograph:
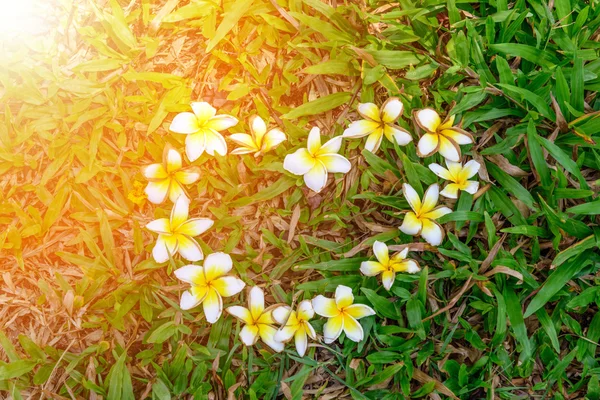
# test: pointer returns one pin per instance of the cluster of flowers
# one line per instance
(210, 282)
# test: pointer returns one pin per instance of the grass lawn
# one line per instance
(298, 199)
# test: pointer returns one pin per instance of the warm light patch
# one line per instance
(23, 18)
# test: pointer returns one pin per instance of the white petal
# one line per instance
(411, 224)
(305, 310)
(157, 191)
(333, 328)
(411, 195)
(190, 273)
(184, 123)
(358, 311)
(371, 268)
(381, 252)
(333, 145)
(188, 176)
(299, 162)
(189, 248)
(432, 232)
(281, 314)
(316, 178)
(179, 213)
(369, 110)
(335, 163)
(267, 335)
(428, 119)
(440, 171)
(203, 110)
(189, 301)
(217, 265)
(387, 279)
(472, 187)
(450, 191)
(154, 171)
(428, 144)
(256, 301)
(195, 145)
(430, 198)
(258, 127)
(353, 329)
(272, 139)
(391, 109)
(301, 342)
(325, 307)
(241, 313)
(213, 306)
(228, 286)
(244, 140)
(400, 135)
(361, 128)
(176, 190)
(314, 141)
(249, 335)
(221, 122)
(215, 143)
(374, 141)
(161, 225)
(449, 149)
(172, 159)
(195, 226)
(470, 169)
(343, 296)
(164, 246)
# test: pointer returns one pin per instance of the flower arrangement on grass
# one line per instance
(278, 324)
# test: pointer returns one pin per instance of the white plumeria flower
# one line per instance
(421, 221)
(317, 160)
(259, 321)
(377, 123)
(459, 176)
(260, 141)
(295, 325)
(209, 285)
(388, 266)
(168, 177)
(176, 232)
(440, 136)
(203, 127)
(342, 315)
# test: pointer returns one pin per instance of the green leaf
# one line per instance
(230, 19)
(319, 105)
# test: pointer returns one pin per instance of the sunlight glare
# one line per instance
(20, 19)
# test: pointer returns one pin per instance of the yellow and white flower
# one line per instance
(459, 176)
(388, 266)
(176, 232)
(421, 221)
(342, 315)
(209, 285)
(259, 321)
(295, 325)
(440, 136)
(260, 141)
(203, 127)
(378, 123)
(316, 161)
(168, 177)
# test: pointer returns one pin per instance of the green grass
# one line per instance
(505, 308)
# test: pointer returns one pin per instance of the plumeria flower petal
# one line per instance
(316, 161)
(259, 141)
(342, 315)
(203, 127)
(176, 233)
(167, 178)
(421, 221)
(379, 123)
(295, 325)
(258, 321)
(458, 175)
(209, 285)
(440, 136)
(388, 266)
